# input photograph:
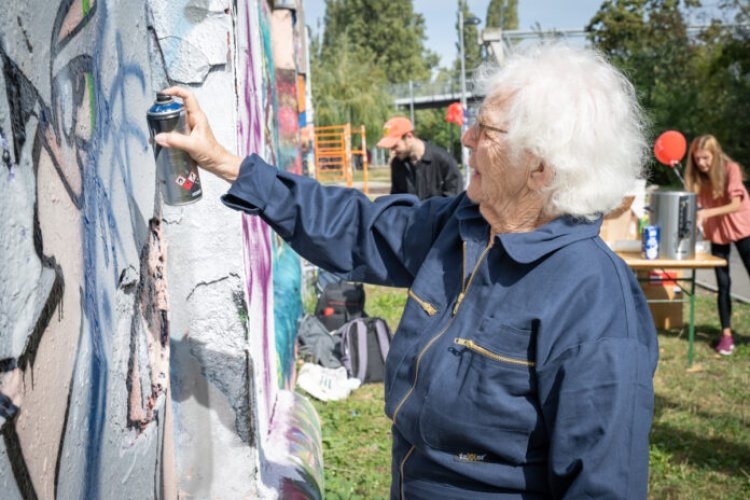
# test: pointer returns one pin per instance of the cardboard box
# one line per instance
(620, 224)
(661, 285)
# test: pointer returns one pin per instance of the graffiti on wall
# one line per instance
(286, 267)
(87, 361)
(293, 442)
(84, 311)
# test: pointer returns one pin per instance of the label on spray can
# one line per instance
(176, 172)
(650, 242)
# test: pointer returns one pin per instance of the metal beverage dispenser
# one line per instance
(674, 213)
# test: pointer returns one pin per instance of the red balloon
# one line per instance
(670, 147)
(455, 114)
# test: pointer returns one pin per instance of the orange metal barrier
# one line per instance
(333, 154)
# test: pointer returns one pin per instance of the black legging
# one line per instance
(724, 280)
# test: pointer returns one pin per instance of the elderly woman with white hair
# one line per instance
(522, 366)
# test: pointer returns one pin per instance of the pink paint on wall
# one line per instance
(258, 286)
(250, 126)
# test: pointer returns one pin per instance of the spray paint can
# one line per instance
(176, 172)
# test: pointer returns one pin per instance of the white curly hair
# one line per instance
(579, 115)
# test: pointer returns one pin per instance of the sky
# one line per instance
(440, 18)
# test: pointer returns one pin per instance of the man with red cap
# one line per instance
(418, 167)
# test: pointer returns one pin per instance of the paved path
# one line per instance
(740, 279)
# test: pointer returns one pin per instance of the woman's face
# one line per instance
(703, 159)
(497, 177)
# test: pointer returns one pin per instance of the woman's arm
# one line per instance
(729, 208)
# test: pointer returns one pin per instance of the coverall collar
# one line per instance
(527, 247)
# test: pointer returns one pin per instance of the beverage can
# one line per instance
(176, 172)
(650, 238)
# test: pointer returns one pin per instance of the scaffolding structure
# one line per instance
(334, 154)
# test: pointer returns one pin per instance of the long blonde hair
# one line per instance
(716, 177)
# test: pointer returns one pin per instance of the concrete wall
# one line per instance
(146, 351)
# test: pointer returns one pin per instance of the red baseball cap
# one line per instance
(393, 130)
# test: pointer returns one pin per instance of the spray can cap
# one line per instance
(162, 97)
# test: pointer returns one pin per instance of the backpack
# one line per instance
(364, 346)
(340, 301)
(316, 343)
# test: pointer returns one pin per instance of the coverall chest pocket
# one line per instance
(484, 398)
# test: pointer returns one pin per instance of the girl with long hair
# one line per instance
(723, 217)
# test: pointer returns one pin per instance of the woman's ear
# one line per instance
(541, 176)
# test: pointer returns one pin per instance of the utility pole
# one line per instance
(464, 104)
(462, 76)
(411, 102)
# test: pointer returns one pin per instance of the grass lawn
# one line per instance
(700, 440)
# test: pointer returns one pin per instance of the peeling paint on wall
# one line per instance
(194, 37)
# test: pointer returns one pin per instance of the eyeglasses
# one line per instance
(479, 125)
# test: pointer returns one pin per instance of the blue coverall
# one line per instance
(522, 366)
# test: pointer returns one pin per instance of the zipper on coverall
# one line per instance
(428, 308)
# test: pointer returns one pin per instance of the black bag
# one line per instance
(317, 344)
(364, 346)
(340, 302)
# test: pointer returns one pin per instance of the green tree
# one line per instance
(365, 46)
(696, 81)
(648, 40)
(389, 29)
(430, 124)
(724, 80)
(349, 87)
(502, 14)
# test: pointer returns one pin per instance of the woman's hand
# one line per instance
(200, 142)
(704, 213)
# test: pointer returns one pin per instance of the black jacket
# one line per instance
(435, 174)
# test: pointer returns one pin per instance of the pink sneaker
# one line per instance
(725, 345)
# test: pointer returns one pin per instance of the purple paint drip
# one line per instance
(257, 242)
(250, 128)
